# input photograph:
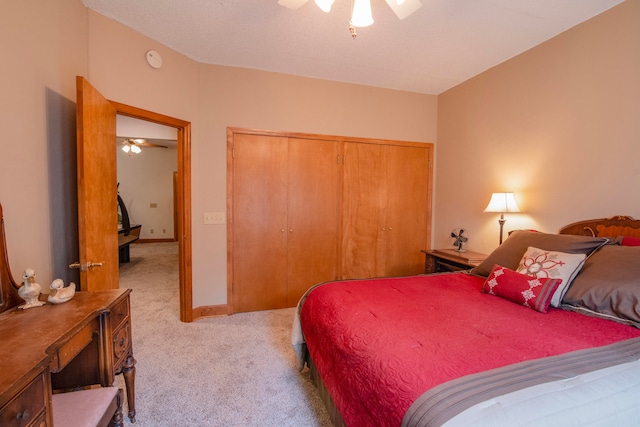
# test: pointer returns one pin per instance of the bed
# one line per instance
(543, 332)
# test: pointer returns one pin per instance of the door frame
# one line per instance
(184, 198)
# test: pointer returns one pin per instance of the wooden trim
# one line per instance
(230, 134)
(176, 202)
(153, 241)
(149, 116)
(184, 223)
(210, 311)
(184, 198)
(235, 130)
(429, 207)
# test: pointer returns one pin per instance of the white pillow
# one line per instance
(554, 265)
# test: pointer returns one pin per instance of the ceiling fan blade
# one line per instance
(292, 4)
(405, 8)
(145, 143)
(151, 144)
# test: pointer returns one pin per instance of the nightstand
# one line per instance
(441, 260)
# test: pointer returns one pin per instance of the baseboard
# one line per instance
(154, 240)
(210, 311)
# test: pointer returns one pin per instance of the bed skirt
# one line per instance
(334, 415)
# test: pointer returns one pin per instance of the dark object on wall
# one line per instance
(127, 234)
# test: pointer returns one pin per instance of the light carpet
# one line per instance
(234, 370)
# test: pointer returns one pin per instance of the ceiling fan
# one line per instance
(132, 145)
(360, 10)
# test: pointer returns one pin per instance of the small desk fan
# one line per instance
(458, 238)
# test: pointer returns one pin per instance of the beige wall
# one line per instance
(48, 45)
(559, 125)
(146, 188)
(42, 48)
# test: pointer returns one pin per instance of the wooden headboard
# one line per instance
(606, 227)
(8, 288)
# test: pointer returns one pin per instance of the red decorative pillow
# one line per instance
(532, 292)
(630, 241)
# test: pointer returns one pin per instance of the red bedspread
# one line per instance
(379, 344)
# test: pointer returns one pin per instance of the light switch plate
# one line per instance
(214, 218)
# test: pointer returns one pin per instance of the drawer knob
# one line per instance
(22, 415)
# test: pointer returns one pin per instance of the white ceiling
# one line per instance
(441, 45)
(128, 127)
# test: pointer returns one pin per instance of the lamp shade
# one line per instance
(502, 202)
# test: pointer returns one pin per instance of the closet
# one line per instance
(385, 212)
(305, 209)
(284, 216)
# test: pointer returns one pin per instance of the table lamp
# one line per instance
(502, 203)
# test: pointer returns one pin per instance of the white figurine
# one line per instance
(30, 290)
(59, 293)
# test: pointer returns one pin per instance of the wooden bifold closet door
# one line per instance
(386, 204)
(285, 198)
(306, 209)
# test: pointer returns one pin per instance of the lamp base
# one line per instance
(501, 221)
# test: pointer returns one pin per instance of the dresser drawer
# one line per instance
(28, 408)
(121, 346)
(120, 314)
(73, 347)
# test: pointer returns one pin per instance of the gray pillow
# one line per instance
(609, 284)
(510, 252)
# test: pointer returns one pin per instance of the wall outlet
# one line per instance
(214, 218)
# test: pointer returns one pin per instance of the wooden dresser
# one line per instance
(83, 342)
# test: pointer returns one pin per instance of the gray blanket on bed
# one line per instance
(438, 405)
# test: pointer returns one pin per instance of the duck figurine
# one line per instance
(30, 290)
(60, 293)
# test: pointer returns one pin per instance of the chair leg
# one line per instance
(118, 420)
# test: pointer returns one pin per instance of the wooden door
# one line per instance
(385, 209)
(406, 218)
(312, 225)
(363, 200)
(97, 189)
(260, 222)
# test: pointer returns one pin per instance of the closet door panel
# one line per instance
(260, 222)
(363, 204)
(312, 215)
(406, 211)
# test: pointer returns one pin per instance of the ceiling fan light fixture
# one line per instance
(291, 4)
(361, 14)
(131, 146)
(324, 5)
(404, 8)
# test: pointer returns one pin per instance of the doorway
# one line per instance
(183, 196)
(147, 162)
